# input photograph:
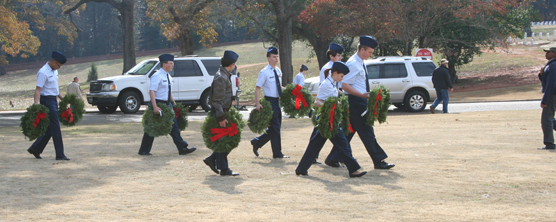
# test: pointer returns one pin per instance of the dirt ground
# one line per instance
(479, 166)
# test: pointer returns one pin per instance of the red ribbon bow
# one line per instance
(350, 128)
(299, 97)
(177, 111)
(40, 116)
(221, 132)
(332, 116)
(378, 98)
(67, 114)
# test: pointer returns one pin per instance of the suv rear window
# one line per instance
(187, 68)
(394, 71)
(423, 68)
(212, 65)
(373, 72)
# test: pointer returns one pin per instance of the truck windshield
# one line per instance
(142, 68)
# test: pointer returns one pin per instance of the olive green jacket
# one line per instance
(221, 93)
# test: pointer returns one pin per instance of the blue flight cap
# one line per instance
(341, 66)
(368, 41)
(166, 57)
(58, 56)
(272, 50)
(229, 54)
(304, 67)
(336, 48)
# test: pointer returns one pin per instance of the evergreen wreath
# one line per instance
(70, 115)
(260, 120)
(324, 127)
(35, 121)
(154, 124)
(344, 108)
(181, 113)
(377, 107)
(315, 116)
(223, 140)
(288, 101)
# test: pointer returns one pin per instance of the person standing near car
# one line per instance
(442, 84)
(270, 81)
(160, 91)
(357, 88)
(548, 102)
(46, 92)
(334, 53)
(300, 77)
(220, 102)
(74, 88)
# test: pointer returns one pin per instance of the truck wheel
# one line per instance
(415, 101)
(205, 101)
(107, 109)
(129, 102)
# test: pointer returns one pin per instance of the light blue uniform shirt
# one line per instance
(47, 79)
(267, 81)
(327, 89)
(324, 67)
(159, 84)
(299, 79)
(356, 77)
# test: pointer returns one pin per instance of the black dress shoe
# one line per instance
(255, 149)
(301, 174)
(331, 163)
(145, 154)
(62, 158)
(316, 162)
(211, 165)
(542, 148)
(228, 172)
(358, 175)
(384, 165)
(281, 157)
(37, 155)
(187, 150)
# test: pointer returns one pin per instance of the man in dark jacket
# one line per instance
(442, 83)
(548, 102)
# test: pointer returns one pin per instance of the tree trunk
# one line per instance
(127, 32)
(186, 43)
(284, 43)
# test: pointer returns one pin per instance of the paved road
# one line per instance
(12, 118)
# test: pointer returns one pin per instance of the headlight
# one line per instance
(108, 87)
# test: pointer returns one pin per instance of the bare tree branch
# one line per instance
(259, 24)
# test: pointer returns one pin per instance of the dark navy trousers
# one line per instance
(147, 142)
(221, 159)
(357, 106)
(53, 129)
(317, 142)
(272, 133)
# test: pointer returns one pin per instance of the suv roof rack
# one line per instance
(393, 58)
(190, 56)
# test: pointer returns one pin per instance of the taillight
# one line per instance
(237, 82)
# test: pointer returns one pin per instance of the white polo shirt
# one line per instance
(159, 84)
(327, 89)
(357, 76)
(47, 79)
(267, 81)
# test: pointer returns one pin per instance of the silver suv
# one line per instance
(408, 78)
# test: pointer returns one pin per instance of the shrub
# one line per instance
(93, 74)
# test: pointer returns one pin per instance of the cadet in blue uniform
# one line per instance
(220, 102)
(328, 89)
(548, 102)
(45, 94)
(356, 86)
(160, 91)
(300, 77)
(334, 53)
(270, 80)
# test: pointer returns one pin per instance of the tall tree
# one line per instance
(179, 17)
(126, 9)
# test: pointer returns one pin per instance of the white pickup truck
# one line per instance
(191, 78)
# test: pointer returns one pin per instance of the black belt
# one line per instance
(161, 101)
(48, 96)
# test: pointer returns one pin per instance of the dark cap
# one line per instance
(228, 54)
(304, 67)
(272, 50)
(166, 57)
(58, 56)
(368, 41)
(553, 49)
(336, 48)
(341, 66)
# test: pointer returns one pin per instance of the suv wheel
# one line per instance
(129, 102)
(205, 101)
(107, 109)
(415, 101)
